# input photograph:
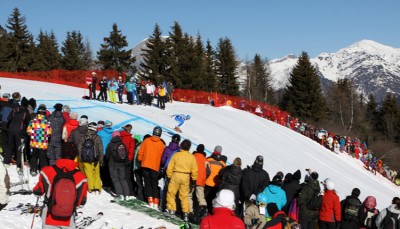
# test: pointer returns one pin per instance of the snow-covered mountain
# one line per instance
(373, 67)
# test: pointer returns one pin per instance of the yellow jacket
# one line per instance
(183, 162)
(161, 92)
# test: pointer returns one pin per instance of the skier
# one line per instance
(180, 118)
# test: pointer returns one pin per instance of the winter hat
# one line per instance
(280, 173)
(67, 108)
(108, 123)
(288, 177)
(32, 102)
(200, 148)
(74, 116)
(16, 96)
(218, 149)
(272, 209)
(296, 175)
(259, 160)
(314, 175)
(92, 126)
(83, 120)
(68, 150)
(225, 199)
(42, 109)
(100, 123)
(237, 162)
(356, 192)
(176, 138)
(24, 102)
(277, 180)
(328, 184)
(127, 127)
(115, 134)
(58, 107)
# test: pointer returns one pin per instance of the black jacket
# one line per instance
(306, 193)
(57, 122)
(292, 190)
(254, 180)
(109, 152)
(231, 177)
(18, 120)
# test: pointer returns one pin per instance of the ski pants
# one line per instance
(103, 94)
(150, 178)
(54, 153)
(161, 101)
(120, 93)
(308, 222)
(92, 89)
(119, 180)
(327, 225)
(14, 143)
(129, 97)
(38, 154)
(92, 172)
(179, 182)
(113, 96)
(128, 175)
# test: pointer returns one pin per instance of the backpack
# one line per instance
(89, 153)
(289, 223)
(351, 208)
(315, 202)
(369, 221)
(120, 153)
(391, 221)
(63, 196)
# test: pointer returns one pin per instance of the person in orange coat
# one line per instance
(217, 162)
(149, 155)
(330, 213)
(203, 167)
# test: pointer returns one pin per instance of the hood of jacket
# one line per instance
(314, 184)
(73, 122)
(57, 114)
(173, 146)
(66, 163)
(273, 188)
(125, 134)
(392, 208)
(82, 129)
(256, 167)
(370, 202)
(155, 138)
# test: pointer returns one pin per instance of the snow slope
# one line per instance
(241, 134)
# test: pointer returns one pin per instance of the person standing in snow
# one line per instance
(129, 142)
(39, 130)
(149, 155)
(66, 113)
(105, 135)
(182, 172)
(112, 86)
(129, 87)
(162, 94)
(92, 86)
(275, 194)
(292, 189)
(150, 89)
(103, 89)
(254, 179)
(203, 167)
(69, 126)
(180, 118)
(77, 135)
(350, 210)
(57, 122)
(330, 214)
(308, 217)
(120, 90)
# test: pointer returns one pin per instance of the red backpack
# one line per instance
(63, 197)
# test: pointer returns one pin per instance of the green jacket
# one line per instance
(305, 195)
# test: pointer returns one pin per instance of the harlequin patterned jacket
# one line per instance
(39, 130)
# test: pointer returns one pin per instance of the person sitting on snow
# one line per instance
(180, 118)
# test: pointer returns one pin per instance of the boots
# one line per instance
(150, 201)
(185, 217)
(155, 203)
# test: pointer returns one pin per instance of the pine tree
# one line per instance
(210, 69)
(113, 55)
(257, 82)
(198, 65)
(4, 44)
(48, 55)
(155, 58)
(73, 51)
(303, 96)
(371, 110)
(388, 121)
(226, 67)
(20, 46)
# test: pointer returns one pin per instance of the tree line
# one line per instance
(189, 63)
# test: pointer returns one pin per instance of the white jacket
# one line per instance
(382, 215)
(4, 183)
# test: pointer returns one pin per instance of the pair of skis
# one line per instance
(84, 222)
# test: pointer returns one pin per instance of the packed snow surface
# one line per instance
(240, 134)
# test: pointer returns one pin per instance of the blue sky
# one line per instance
(272, 29)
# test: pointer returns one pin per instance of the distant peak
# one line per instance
(368, 44)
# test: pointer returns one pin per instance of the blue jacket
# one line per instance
(105, 135)
(275, 194)
(112, 88)
(130, 87)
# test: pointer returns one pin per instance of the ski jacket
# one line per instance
(150, 89)
(109, 154)
(129, 143)
(77, 136)
(18, 120)
(183, 162)
(330, 209)
(168, 151)
(349, 221)
(369, 205)
(381, 216)
(57, 122)
(216, 164)
(112, 85)
(39, 130)
(121, 86)
(68, 128)
(44, 187)
(103, 84)
(222, 218)
(292, 189)
(231, 176)
(98, 144)
(306, 193)
(254, 180)
(203, 166)
(105, 135)
(253, 212)
(5, 111)
(150, 153)
(4, 184)
(162, 92)
(66, 116)
(276, 221)
(275, 194)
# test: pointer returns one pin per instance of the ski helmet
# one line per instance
(176, 138)
(42, 109)
(157, 131)
(188, 117)
(262, 198)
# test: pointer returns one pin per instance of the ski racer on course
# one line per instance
(180, 118)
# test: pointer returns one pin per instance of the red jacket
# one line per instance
(330, 210)
(129, 143)
(45, 183)
(222, 218)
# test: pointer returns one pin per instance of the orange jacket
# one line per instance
(150, 153)
(202, 165)
(215, 166)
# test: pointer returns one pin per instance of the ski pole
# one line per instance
(34, 211)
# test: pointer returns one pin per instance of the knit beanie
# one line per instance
(272, 209)
(83, 120)
(24, 102)
(277, 180)
(314, 175)
(127, 127)
(259, 160)
(92, 126)
(16, 96)
(58, 107)
(237, 162)
(42, 109)
(218, 149)
(225, 199)
(108, 123)
(200, 148)
(68, 150)
(280, 173)
(116, 133)
(74, 116)
(32, 102)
